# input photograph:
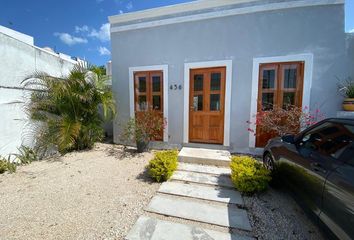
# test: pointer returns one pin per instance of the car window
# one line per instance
(329, 139)
(348, 155)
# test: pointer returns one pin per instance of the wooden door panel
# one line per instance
(148, 94)
(280, 85)
(207, 97)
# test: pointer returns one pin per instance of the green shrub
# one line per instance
(66, 110)
(11, 167)
(3, 166)
(249, 175)
(7, 165)
(162, 166)
(26, 155)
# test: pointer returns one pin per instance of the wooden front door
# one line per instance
(206, 105)
(148, 94)
(280, 85)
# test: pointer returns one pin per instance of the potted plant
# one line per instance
(346, 88)
(145, 127)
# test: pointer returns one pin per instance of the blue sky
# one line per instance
(79, 27)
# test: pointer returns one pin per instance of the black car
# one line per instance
(318, 167)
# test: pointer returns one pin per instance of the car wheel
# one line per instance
(268, 162)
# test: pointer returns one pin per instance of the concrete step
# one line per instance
(222, 215)
(203, 168)
(204, 156)
(210, 193)
(203, 178)
(154, 229)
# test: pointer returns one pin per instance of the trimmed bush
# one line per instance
(248, 175)
(162, 166)
(3, 166)
(6, 165)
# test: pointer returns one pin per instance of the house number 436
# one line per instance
(175, 87)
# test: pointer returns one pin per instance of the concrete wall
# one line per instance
(318, 30)
(19, 59)
(350, 54)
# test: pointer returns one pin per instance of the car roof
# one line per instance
(341, 120)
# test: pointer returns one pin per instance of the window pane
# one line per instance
(214, 102)
(288, 99)
(156, 83)
(329, 139)
(142, 104)
(268, 80)
(198, 103)
(267, 101)
(215, 82)
(156, 102)
(347, 155)
(142, 84)
(198, 82)
(290, 78)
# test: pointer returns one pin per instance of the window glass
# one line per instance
(288, 99)
(214, 102)
(198, 82)
(348, 155)
(268, 81)
(267, 101)
(198, 103)
(215, 81)
(156, 83)
(329, 139)
(142, 104)
(290, 78)
(156, 102)
(142, 84)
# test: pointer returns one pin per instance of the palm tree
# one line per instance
(65, 110)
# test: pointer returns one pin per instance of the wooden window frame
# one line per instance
(279, 81)
(149, 89)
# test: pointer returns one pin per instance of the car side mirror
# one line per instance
(288, 139)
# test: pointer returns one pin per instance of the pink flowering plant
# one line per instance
(284, 121)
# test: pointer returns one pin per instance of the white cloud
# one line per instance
(84, 28)
(69, 39)
(104, 51)
(103, 34)
(120, 12)
(129, 5)
(351, 30)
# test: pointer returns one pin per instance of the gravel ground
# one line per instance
(95, 194)
(275, 215)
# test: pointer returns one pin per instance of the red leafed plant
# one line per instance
(147, 126)
(284, 121)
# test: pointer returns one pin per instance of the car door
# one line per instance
(304, 165)
(338, 197)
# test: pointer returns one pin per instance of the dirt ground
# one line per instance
(95, 194)
(274, 214)
(99, 194)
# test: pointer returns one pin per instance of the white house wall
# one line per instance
(19, 59)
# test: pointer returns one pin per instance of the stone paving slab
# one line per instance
(147, 228)
(218, 194)
(204, 156)
(227, 216)
(203, 168)
(203, 178)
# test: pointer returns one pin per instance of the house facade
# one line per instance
(209, 66)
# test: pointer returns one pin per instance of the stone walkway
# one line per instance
(201, 194)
